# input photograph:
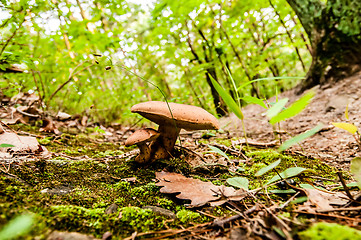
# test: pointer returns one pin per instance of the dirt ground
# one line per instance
(334, 146)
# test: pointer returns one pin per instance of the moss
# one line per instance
(186, 216)
(97, 181)
(141, 220)
(325, 231)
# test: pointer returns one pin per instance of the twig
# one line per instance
(12, 36)
(193, 152)
(207, 214)
(169, 232)
(323, 178)
(328, 215)
(71, 75)
(27, 114)
(347, 190)
(340, 209)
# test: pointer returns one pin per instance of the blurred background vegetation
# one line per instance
(83, 57)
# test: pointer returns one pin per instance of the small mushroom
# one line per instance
(140, 138)
(171, 122)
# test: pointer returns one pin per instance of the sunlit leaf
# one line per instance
(267, 168)
(276, 108)
(219, 151)
(294, 109)
(356, 170)
(266, 79)
(349, 127)
(254, 100)
(5, 145)
(287, 144)
(288, 173)
(239, 182)
(227, 99)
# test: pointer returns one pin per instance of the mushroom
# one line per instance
(140, 138)
(170, 123)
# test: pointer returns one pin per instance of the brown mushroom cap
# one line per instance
(141, 136)
(186, 116)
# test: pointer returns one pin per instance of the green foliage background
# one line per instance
(173, 44)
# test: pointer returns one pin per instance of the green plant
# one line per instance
(5, 145)
(17, 227)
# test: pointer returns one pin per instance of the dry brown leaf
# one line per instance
(321, 200)
(199, 192)
(23, 144)
(49, 126)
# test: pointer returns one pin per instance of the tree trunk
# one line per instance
(334, 32)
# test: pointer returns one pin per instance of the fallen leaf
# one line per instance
(199, 192)
(49, 126)
(22, 144)
(321, 200)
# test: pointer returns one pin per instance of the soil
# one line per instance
(334, 146)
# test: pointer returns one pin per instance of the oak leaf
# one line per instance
(199, 192)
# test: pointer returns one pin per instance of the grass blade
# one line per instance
(300, 137)
(227, 99)
(5, 145)
(219, 151)
(288, 173)
(254, 100)
(294, 109)
(276, 108)
(267, 79)
(267, 168)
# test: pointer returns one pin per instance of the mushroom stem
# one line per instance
(144, 155)
(164, 145)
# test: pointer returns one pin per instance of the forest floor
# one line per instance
(334, 146)
(82, 183)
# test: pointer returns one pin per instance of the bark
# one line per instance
(334, 33)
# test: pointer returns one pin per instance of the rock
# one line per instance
(161, 211)
(111, 209)
(58, 190)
